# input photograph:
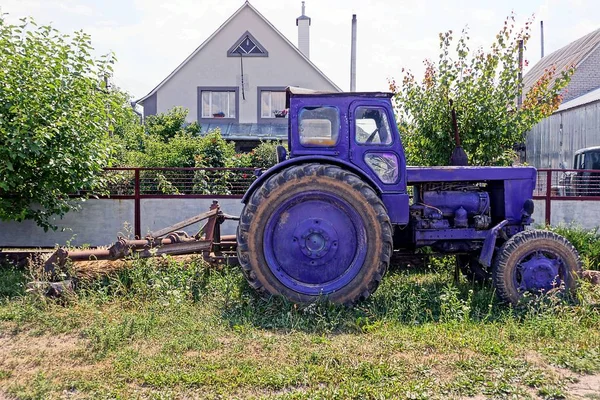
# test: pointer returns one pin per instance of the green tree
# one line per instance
(484, 87)
(55, 117)
(128, 134)
(214, 151)
(264, 155)
(179, 151)
(167, 125)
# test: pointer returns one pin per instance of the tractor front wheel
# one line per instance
(312, 231)
(535, 261)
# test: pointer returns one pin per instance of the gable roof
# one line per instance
(248, 5)
(572, 54)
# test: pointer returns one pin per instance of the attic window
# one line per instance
(247, 45)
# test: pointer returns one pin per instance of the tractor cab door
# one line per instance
(376, 149)
(375, 144)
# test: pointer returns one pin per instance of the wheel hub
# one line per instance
(539, 273)
(315, 243)
(317, 240)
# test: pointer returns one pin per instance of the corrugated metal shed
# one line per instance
(587, 98)
(553, 142)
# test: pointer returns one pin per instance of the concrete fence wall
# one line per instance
(100, 221)
(585, 214)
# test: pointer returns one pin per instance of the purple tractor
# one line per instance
(325, 221)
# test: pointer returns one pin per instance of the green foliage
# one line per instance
(214, 151)
(165, 141)
(484, 87)
(55, 117)
(168, 125)
(179, 151)
(127, 134)
(264, 155)
(586, 241)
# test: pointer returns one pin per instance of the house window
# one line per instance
(272, 104)
(247, 45)
(218, 104)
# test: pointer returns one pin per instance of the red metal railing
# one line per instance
(566, 184)
(164, 183)
(214, 183)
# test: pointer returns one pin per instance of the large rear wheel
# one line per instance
(313, 231)
(537, 262)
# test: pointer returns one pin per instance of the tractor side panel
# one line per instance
(515, 193)
(397, 205)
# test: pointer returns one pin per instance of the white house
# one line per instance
(235, 80)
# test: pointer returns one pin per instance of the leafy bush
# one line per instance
(586, 241)
(214, 151)
(484, 86)
(168, 125)
(55, 117)
(179, 151)
(264, 155)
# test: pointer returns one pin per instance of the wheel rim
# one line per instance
(539, 271)
(315, 243)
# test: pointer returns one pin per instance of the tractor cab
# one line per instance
(357, 128)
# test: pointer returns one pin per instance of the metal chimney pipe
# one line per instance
(353, 56)
(303, 24)
(520, 98)
(542, 36)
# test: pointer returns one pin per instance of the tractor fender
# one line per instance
(305, 160)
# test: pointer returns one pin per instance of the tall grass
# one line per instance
(163, 328)
(586, 241)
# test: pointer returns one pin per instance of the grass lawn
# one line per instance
(164, 329)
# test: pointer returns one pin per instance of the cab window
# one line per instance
(592, 160)
(372, 126)
(319, 126)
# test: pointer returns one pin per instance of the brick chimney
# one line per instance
(303, 24)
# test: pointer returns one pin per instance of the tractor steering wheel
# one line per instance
(372, 136)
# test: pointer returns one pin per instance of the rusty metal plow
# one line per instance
(214, 247)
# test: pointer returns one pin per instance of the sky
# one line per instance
(150, 38)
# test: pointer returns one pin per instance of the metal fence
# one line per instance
(168, 183)
(214, 183)
(566, 184)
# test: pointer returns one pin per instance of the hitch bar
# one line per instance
(215, 248)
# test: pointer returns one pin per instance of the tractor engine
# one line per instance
(451, 205)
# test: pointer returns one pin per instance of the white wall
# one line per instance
(160, 213)
(211, 67)
(99, 222)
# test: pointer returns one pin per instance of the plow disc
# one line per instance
(215, 248)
